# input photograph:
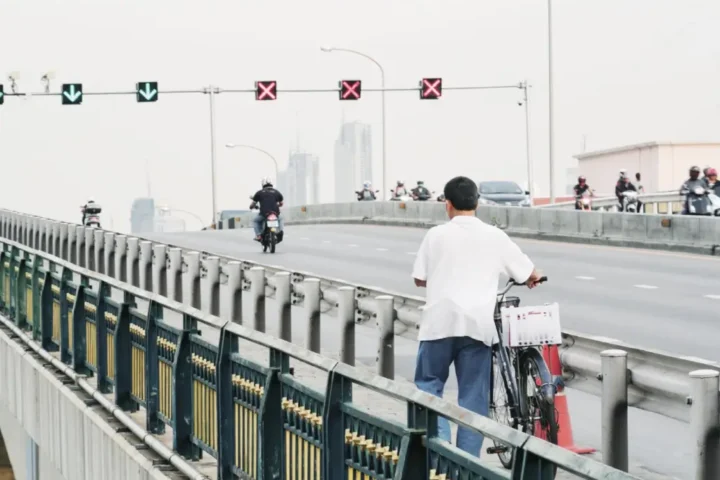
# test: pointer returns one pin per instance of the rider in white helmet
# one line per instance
(89, 203)
(267, 200)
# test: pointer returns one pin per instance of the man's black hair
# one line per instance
(462, 193)
(637, 176)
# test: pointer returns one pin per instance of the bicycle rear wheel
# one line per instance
(504, 405)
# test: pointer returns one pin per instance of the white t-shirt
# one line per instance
(462, 261)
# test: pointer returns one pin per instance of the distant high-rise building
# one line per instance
(353, 160)
(300, 181)
(142, 215)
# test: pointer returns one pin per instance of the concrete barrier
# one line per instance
(665, 232)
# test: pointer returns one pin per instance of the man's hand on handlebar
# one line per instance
(535, 279)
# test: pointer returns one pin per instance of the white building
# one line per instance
(663, 165)
(353, 160)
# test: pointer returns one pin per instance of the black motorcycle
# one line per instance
(271, 233)
(697, 201)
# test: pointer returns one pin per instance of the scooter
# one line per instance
(584, 201)
(630, 201)
(401, 198)
(698, 201)
(365, 198)
(715, 202)
(92, 215)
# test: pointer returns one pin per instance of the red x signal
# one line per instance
(431, 88)
(350, 89)
(266, 90)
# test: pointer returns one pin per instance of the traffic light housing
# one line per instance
(266, 90)
(430, 88)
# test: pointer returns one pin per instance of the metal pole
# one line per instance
(615, 409)
(311, 288)
(283, 295)
(551, 121)
(384, 144)
(704, 424)
(346, 318)
(256, 275)
(213, 167)
(386, 337)
(530, 170)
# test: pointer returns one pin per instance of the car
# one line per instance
(504, 192)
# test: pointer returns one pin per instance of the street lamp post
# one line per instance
(551, 120)
(238, 145)
(382, 86)
(530, 170)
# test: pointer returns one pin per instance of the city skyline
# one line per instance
(299, 182)
(353, 160)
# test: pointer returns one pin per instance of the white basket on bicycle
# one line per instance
(532, 325)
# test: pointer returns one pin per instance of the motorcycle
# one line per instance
(271, 233)
(698, 201)
(715, 202)
(425, 198)
(584, 201)
(365, 198)
(400, 198)
(630, 201)
(92, 215)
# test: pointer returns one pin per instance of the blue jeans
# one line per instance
(473, 367)
(259, 222)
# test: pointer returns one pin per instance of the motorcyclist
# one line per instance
(580, 190)
(623, 185)
(691, 183)
(366, 193)
(420, 192)
(400, 189)
(711, 181)
(90, 204)
(267, 200)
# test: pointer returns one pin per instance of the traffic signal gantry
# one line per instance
(265, 90)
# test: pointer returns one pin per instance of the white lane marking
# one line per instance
(580, 277)
(381, 249)
(714, 297)
(647, 287)
(411, 253)
(326, 241)
(352, 245)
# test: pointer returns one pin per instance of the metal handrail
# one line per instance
(40, 280)
(611, 202)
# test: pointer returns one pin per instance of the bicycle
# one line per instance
(523, 372)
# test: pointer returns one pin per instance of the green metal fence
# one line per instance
(259, 422)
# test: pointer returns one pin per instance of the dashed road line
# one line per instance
(646, 287)
(714, 297)
(580, 277)
(352, 245)
(380, 249)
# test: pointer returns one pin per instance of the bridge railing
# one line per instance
(664, 203)
(256, 420)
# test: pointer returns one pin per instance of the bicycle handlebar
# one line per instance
(512, 283)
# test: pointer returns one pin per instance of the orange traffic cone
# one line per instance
(565, 435)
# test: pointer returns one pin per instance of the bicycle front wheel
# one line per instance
(536, 385)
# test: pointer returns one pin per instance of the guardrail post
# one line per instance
(210, 278)
(21, 298)
(54, 238)
(346, 317)
(159, 269)
(615, 409)
(109, 256)
(71, 244)
(133, 261)
(174, 274)
(121, 255)
(191, 283)
(79, 246)
(48, 235)
(79, 333)
(182, 398)
(234, 275)
(256, 276)
(46, 313)
(145, 266)
(386, 338)
(283, 298)
(65, 333)
(311, 303)
(704, 386)
(225, 407)
(153, 423)
(101, 337)
(123, 356)
(90, 249)
(99, 242)
(63, 241)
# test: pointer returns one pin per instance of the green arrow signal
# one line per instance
(147, 92)
(72, 94)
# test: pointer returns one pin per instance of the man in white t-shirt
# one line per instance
(460, 263)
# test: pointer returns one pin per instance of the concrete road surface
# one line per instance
(653, 299)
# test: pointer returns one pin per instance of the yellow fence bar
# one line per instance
(137, 363)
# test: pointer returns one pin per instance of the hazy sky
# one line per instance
(625, 72)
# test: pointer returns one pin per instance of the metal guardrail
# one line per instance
(665, 203)
(657, 381)
(251, 418)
